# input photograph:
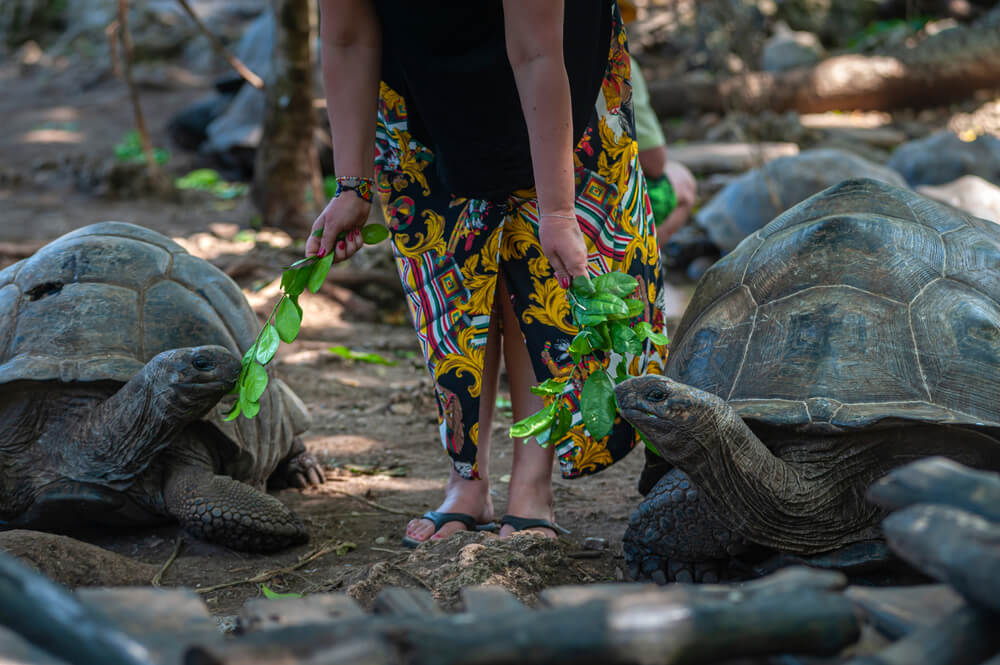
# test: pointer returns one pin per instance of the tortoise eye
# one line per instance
(656, 394)
(202, 364)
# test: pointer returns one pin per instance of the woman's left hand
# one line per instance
(563, 244)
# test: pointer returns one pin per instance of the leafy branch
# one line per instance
(603, 312)
(284, 322)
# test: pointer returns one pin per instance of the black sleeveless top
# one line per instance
(448, 59)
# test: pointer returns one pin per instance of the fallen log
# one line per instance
(655, 627)
(944, 67)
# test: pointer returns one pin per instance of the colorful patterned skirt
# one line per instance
(450, 252)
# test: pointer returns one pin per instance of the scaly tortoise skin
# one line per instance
(116, 346)
(856, 332)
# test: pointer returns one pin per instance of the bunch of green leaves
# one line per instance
(284, 322)
(603, 311)
(129, 150)
(209, 180)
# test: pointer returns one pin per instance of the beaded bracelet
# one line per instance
(352, 183)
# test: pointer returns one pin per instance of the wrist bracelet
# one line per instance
(352, 183)
(573, 217)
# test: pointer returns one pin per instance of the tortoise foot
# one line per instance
(645, 566)
(221, 510)
(300, 469)
(673, 537)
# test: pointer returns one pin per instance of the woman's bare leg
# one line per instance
(530, 490)
(472, 496)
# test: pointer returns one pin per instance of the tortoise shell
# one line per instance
(864, 305)
(98, 303)
(752, 200)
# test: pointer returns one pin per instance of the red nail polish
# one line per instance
(341, 245)
(564, 282)
(322, 252)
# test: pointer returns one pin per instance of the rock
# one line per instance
(733, 157)
(757, 197)
(943, 157)
(72, 562)
(969, 193)
(788, 49)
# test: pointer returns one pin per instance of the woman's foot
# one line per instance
(471, 497)
(529, 501)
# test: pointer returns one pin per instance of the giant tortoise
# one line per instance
(856, 332)
(116, 346)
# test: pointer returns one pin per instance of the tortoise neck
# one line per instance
(762, 497)
(121, 435)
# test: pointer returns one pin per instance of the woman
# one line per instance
(503, 153)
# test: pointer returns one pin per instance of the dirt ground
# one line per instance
(374, 426)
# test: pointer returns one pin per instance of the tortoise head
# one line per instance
(188, 382)
(672, 416)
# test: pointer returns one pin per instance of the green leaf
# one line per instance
(561, 425)
(362, 356)
(254, 383)
(250, 408)
(274, 595)
(624, 339)
(534, 424)
(550, 387)
(620, 373)
(659, 339)
(635, 307)
(581, 344)
(373, 234)
(318, 273)
(267, 344)
(293, 280)
(233, 413)
(604, 303)
(288, 320)
(583, 286)
(644, 331)
(649, 446)
(615, 283)
(301, 263)
(203, 179)
(597, 405)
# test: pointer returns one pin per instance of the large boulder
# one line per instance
(943, 157)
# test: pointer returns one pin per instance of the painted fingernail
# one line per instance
(341, 245)
(564, 282)
(322, 252)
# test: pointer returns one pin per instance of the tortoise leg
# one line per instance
(673, 537)
(221, 510)
(299, 469)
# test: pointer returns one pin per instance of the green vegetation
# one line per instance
(603, 313)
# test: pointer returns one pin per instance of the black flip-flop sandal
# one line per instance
(522, 523)
(440, 519)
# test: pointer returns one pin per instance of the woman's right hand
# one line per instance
(345, 214)
(563, 244)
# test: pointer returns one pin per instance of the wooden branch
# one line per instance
(219, 48)
(52, 618)
(264, 576)
(948, 66)
(133, 93)
(651, 628)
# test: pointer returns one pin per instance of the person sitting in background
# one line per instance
(670, 184)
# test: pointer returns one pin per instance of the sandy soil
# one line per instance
(374, 427)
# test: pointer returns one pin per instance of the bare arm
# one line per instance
(351, 58)
(534, 33)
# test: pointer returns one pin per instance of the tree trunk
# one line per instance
(286, 153)
(942, 68)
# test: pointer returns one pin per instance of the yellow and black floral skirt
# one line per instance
(450, 251)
